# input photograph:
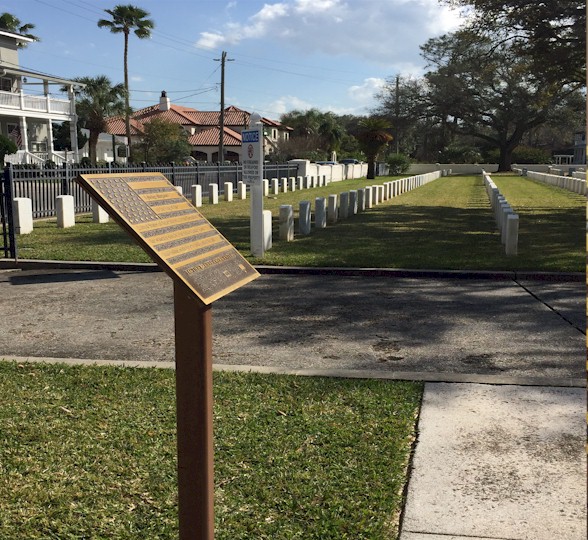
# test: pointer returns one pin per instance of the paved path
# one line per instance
(498, 462)
(491, 462)
(436, 327)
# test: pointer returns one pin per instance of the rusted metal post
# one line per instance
(193, 328)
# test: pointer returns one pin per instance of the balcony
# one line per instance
(34, 104)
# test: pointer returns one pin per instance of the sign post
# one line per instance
(193, 326)
(252, 152)
(204, 267)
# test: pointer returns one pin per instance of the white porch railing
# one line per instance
(44, 104)
(38, 158)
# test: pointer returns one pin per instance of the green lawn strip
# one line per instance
(446, 224)
(551, 224)
(89, 452)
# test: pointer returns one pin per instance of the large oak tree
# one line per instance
(487, 90)
(550, 34)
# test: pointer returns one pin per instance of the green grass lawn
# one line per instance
(89, 452)
(446, 224)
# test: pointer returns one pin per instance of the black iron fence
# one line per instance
(7, 240)
(43, 185)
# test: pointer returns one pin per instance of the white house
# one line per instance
(28, 107)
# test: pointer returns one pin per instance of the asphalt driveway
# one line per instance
(436, 326)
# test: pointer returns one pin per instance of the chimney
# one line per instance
(164, 104)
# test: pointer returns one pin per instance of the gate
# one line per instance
(8, 242)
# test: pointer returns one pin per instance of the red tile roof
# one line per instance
(210, 137)
(116, 126)
(187, 116)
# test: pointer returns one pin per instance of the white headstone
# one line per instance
(228, 191)
(320, 213)
(99, 215)
(304, 217)
(65, 211)
(22, 208)
(213, 193)
(197, 195)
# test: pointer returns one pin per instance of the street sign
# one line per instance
(252, 157)
(172, 231)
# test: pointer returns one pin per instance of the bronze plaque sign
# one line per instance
(172, 231)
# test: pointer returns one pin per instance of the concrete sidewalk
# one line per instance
(498, 462)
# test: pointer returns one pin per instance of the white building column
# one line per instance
(23, 134)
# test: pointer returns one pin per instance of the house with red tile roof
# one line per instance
(202, 128)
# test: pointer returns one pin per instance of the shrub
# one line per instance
(398, 163)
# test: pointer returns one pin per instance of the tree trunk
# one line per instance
(127, 98)
(92, 144)
(505, 160)
(371, 172)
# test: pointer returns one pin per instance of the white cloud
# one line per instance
(315, 6)
(285, 104)
(364, 94)
(388, 32)
(210, 40)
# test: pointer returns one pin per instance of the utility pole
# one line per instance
(221, 147)
(397, 111)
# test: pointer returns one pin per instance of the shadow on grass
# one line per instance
(403, 236)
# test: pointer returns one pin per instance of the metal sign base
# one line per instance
(193, 328)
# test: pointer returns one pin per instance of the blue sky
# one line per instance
(286, 54)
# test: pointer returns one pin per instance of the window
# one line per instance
(5, 84)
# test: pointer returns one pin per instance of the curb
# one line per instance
(31, 264)
(417, 376)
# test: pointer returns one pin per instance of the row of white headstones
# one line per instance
(506, 218)
(335, 207)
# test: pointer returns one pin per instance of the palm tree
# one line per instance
(98, 101)
(12, 24)
(124, 20)
(373, 135)
(331, 133)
